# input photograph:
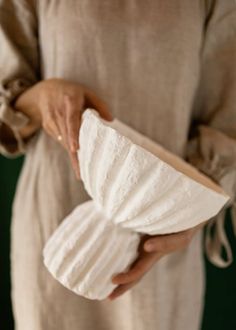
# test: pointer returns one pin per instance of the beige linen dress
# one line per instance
(166, 68)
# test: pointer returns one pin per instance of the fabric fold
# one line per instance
(19, 70)
(14, 120)
(214, 153)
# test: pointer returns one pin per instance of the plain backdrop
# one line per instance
(220, 300)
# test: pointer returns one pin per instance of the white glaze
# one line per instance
(87, 250)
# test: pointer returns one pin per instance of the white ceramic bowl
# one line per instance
(137, 188)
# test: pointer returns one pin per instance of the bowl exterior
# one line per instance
(87, 249)
(136, 189)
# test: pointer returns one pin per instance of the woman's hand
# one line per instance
(57, 106)
(151, 249)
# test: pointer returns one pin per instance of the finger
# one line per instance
(72, 129)
(52, 128)
(121, 289)
(75, 163)
(141, 266)
(62, 127)
(93, 101)
(169, 243)
(73, 117)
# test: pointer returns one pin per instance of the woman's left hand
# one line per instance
(151, 249)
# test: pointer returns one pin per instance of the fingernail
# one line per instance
(73, 147)
(148, 247)
(108, 116)
(114, 280)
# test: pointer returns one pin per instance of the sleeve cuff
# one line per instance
(14, 120)
(214, 153)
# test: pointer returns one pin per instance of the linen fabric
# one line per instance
(165, 68)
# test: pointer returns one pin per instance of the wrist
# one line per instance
(28, 103)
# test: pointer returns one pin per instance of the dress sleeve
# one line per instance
(212, 143)
(19, 67)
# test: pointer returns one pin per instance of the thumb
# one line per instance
(93, 101)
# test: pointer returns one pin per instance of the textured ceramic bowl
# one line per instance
(137, 188)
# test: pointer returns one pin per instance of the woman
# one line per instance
(166, 68)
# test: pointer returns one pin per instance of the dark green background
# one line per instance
(220, 302)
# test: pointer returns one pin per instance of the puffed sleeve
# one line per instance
(19, 67)
(212, 143)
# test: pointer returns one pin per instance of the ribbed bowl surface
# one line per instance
(87, 249)
(134, 187)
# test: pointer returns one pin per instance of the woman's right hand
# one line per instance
(57, 105)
